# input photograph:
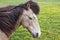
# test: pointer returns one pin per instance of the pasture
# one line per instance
(49, 20)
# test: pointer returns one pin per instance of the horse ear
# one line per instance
(28, 5)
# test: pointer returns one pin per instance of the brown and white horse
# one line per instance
(11, 17)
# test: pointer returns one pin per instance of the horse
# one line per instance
(11, 17)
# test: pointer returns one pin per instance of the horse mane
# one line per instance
(9, 16)
(33, 5)
(7, 8)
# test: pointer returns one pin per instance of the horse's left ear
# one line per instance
(28, 5)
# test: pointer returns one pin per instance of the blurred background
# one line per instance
(49, 20)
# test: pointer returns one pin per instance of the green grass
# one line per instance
(49, 20)
(48, 0)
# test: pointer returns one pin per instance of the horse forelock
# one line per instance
(34, 6)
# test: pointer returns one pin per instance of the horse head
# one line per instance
(29, 19)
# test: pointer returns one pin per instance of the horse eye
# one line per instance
(30, 18)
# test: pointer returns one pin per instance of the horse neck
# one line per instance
(17, 13)
(3, 36)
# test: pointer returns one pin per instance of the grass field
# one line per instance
(49, 20)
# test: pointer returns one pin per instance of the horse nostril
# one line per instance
(36, 34)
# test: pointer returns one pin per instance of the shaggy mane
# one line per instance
(9, 16)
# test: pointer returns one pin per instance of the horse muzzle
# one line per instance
(36, 35)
